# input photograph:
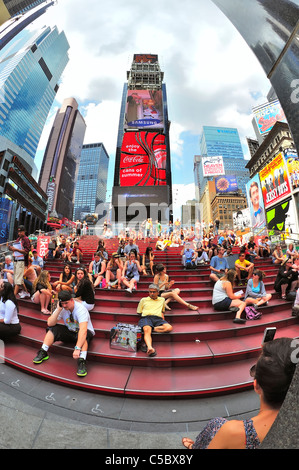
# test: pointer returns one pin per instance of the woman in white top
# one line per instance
(224, 297)
(9, 321)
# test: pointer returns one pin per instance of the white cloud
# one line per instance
(212, 76)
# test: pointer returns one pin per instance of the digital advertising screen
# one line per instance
(144, 110)
(143, 159)
(226, 184)
(256, 203)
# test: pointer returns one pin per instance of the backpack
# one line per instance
(252, 314)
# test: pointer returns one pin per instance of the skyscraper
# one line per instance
(142, 177)
(60, 165)
(30, 68)
(91, 183)
(225, 142)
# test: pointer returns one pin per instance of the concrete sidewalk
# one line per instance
(36, 414)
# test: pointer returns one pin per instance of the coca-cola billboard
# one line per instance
(143, 159)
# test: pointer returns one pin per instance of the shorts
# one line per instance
(151, 320)
(244, 274)
(223, 304)
(19, 267)
(62, 333)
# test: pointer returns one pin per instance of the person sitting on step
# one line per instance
(244, 268)
(152, 310)
(255, 291)
(76, 328)
(161, 279)
(224, 298)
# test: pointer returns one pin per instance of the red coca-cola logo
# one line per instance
(134, 159)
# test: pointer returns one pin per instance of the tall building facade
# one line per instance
(31, 65)
(142, 178)
(60, 164)
(225, 142)
(91, 183)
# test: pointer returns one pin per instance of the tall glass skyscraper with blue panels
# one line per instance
(31, 65)
(91, 183)
(225, 142)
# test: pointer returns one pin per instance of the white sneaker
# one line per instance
(129, 290)
(26, 294)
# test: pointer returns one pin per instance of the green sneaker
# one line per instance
(81, 371)
(42, 355)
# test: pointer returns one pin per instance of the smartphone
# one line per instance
(269, 334)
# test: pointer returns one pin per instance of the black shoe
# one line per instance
(143, 346)
(81, 371)
(42, 355)
(239, 320)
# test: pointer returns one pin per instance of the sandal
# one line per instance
(192, 307)
(152, 354)
(188, 443)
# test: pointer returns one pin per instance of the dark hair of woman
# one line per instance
(7, 293)
(260, 274)
(274, 370)
(65, 276)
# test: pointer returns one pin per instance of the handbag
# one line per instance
(125, 336)
(252, 314)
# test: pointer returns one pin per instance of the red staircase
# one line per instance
(206, 354)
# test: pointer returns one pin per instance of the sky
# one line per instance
(211, 75)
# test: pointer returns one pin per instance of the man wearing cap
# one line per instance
(76, 328)
(152, 310)
(20, 250)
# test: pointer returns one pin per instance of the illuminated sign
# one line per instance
(213, 166)
(274, 181)
(144, 110)
(267, 115)
(143, 159)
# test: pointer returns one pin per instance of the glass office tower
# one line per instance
(30, 67)
(91, 183)
(225, 142)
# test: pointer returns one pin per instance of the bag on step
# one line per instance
(125, 336)
(252, 314)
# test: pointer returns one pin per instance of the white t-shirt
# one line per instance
(9, 312)
(80, 314)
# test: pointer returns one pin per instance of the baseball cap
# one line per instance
(64, 296)
(21, 228)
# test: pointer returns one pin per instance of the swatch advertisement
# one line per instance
(226, 184)
(274, 181)
(144, 110)
(143, 159)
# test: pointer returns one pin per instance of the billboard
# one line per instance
(226, 184)
(5, 218)
(267, 115)
(144, 110)
(146, 58)
(143, 159)
(256, 203)
(213, 166)
(274, 181)
(282, 218)
(292, 162)
(241, 219)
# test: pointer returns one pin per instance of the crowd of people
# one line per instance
(72, 296)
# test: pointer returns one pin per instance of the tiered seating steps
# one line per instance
(206, 354)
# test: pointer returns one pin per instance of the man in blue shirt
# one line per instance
(37, 262)
(218, 265)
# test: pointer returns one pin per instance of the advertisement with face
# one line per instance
(274, 182)
(282, 218)
(143, 159)
(255, 203)
(144, 110)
